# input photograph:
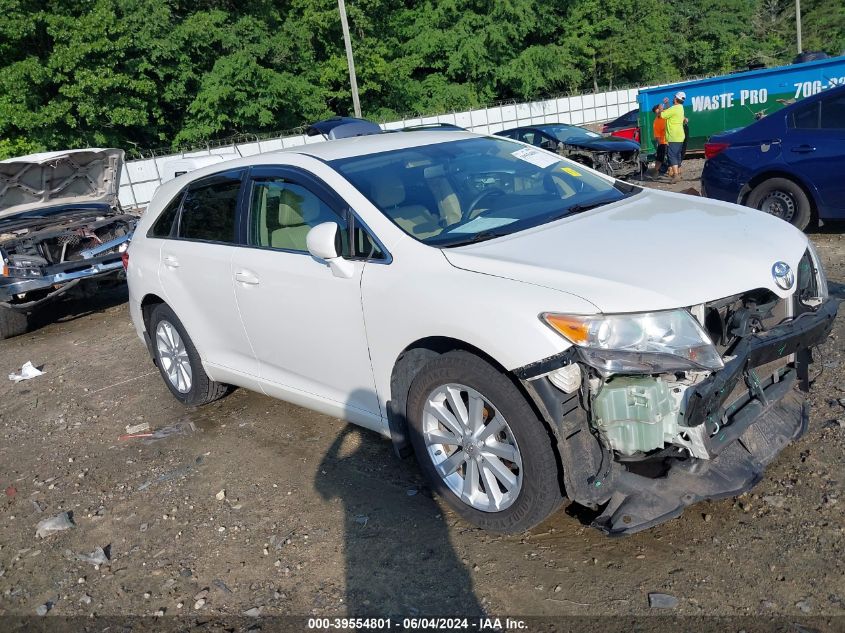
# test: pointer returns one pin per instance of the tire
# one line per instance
(784, 199)
(534, 489)
(178, 361)
(12, 322)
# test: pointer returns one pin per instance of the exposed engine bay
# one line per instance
(639, 446)
(40, 252)
(616, 164)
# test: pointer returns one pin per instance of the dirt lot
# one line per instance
(252, 503)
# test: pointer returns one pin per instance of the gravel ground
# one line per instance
(254, 505)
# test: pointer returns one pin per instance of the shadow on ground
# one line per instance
(424, 575)
(67, 310)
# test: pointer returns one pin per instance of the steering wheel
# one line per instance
(467, 215)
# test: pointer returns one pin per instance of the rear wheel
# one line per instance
(179, 362)
(12, 322)
(481, 445)
(784, 199)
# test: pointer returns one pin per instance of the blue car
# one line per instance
(612, 155)
(790, 163)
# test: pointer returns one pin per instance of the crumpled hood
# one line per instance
(604, 144)
(652, 251)
(55, 178)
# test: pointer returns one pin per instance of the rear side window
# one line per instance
(833, 113)
(163, 226)
(806, 118)
(209, 211)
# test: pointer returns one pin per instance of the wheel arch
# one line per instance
(148, 304)
(411, 361)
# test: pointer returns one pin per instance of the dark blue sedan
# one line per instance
(790, 164)
(609, 154)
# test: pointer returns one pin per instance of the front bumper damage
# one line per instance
(619, 164)
(752, 430)
(58, 281)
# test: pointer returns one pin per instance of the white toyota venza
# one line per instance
(532, 330)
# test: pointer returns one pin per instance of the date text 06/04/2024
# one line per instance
(417, 624)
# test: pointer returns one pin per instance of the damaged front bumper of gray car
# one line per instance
(637, 450)
(618, 164)
(54, 263)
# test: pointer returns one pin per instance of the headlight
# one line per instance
(647, 342)
(821, 293)
(22, 267)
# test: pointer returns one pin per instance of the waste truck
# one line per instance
(716, 104)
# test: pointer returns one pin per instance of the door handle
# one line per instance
(803, 149)
(171, 262)
(246, 277)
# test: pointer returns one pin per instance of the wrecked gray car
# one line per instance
(62, 230)
(611, 155)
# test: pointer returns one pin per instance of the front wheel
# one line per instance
(481, 446)
(179, 362)
(784, 199)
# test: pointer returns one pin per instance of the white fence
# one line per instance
(140, 178)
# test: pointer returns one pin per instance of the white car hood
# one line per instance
(56, 178)
(652, 251)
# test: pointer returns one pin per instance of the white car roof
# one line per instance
(326, 151)
(376, 143)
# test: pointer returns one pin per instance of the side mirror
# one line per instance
(322, 244)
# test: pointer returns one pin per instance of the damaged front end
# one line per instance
(642, 435)
(618, 164)
(48, 257)
(61, 226)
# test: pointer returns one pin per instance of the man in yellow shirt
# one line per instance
(674, 117)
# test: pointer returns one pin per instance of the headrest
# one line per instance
(388, 193)
(297, 208)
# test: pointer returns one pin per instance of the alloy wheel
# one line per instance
(173, 356)
(472, 447)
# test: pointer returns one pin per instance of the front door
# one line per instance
(305, 324)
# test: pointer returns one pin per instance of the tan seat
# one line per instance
(447, 199)
(297, 214)
(415, 219)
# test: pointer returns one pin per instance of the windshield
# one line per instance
(454, 193)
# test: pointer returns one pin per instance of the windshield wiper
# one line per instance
(626, 188)
(483, 236)
(580, 208)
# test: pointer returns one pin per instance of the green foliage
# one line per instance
(11, 147)
(145, 73)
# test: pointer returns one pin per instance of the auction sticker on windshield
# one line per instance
(535, 157)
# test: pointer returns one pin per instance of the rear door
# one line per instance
(815, 148)
(195, 273)
(305, 324)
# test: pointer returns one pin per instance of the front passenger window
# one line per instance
(283, 213)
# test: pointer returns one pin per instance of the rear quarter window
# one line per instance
(209, 210)
(163, 226)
